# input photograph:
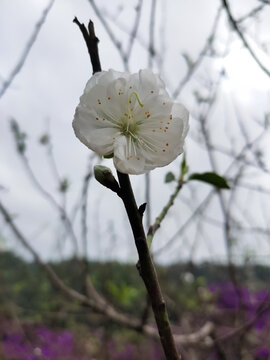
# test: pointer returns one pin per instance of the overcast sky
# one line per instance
(46, 92)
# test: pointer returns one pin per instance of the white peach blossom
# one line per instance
(132, 118)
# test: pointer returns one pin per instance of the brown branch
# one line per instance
(242, 37)
(91, 42)
(147, 269)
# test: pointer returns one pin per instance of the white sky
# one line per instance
(53, 78)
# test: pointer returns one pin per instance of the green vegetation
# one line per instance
(25, 287)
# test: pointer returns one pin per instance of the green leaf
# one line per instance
(169, 177)
(211, 178)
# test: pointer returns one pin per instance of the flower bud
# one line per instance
(105, 177)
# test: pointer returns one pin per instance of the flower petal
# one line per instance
(97, 134)
(128, 158)
(179, 111)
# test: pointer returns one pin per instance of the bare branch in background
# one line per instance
(251, 13)
(194, 66)
(109, 31)
(98, 303)
(151, 47)
(242, 36)
(133, 34)
(19, 137)
(84, 201)
(27, 49)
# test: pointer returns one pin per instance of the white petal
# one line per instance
(150, 82)
(154, 107)
(104, 78)
(162, 138)
(97, 135)
(181, 113)
(128, 158)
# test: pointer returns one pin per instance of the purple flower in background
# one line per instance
(260, 297)
(53, 344)
(230, 298)
(38, 343)
(262, 354)
(127, 354)
(14, 346)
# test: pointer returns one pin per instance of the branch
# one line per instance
(62, 211)
(147, 269)
(252, 13)
(91, 42)
(27, 49)
(209, 196)
(134, 30)
(98, 303)
(242, 37)
(114, 40)
(151, 46)
(161, 216)
(203, 52)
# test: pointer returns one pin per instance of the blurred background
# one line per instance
(212, 250)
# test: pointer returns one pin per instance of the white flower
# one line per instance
(132, 117)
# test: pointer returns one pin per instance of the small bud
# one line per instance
(105, 177)
(64, 185)
(44, 139)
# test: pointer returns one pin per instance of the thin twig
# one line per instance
(63, 214)
(242, 37)
(251, 13)
(27, 49)
(161, 216)
(134, 31)
(151, 46)
(208, 197)
(109, 31)
(203, 52)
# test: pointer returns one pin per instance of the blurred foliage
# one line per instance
(27, 295)
(185, 285)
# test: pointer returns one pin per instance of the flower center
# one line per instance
(128, 125)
